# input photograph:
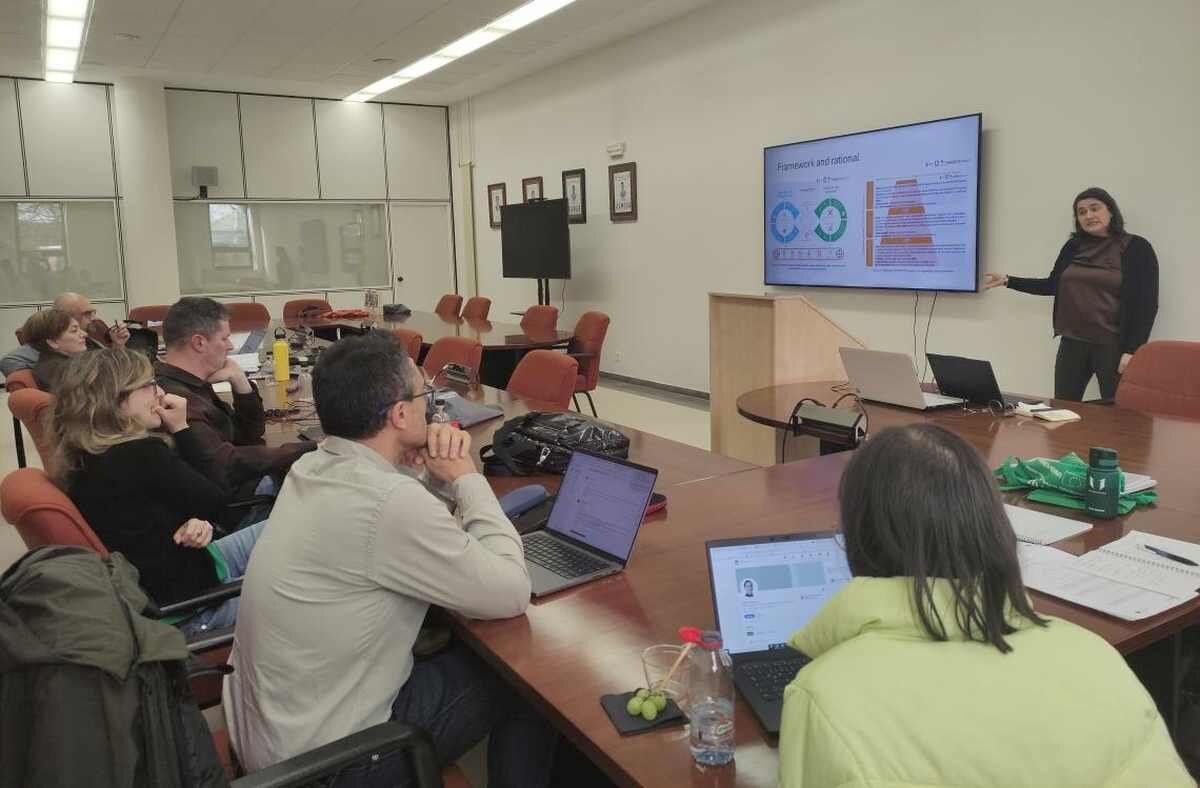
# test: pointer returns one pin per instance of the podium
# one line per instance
(765, 339)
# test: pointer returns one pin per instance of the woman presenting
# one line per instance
(1105, 288)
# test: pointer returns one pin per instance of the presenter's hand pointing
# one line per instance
(994, 280)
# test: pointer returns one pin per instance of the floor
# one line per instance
(679, 417)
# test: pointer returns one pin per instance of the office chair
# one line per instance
(1163, 378)
(449, 305)
(585, 348)
(545, 376)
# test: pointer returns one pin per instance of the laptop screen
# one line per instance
(602, 502)
(764, 590)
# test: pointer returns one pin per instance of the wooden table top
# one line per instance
(432, 327)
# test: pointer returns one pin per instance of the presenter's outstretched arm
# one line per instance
(994, 280)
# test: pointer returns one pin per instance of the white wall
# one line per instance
(1071, 96)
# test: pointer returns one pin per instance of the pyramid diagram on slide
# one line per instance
(904, 234)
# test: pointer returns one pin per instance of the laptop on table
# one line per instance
(593, 523)
(968, 378)
(890, 378)
(764, 589)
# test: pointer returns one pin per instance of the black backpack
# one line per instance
(541, 443)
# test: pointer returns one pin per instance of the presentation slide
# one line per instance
(896, 208)
(766, 592)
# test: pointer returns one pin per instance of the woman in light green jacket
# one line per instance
(931, 667)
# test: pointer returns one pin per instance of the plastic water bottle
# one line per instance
(710, 695)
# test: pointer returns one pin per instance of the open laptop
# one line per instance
(764, 589)
(969, 378)
(890, 378)
(593, 522)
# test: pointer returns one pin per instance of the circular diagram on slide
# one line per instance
(831, 219)
(783, 222)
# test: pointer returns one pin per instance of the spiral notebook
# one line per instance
(1128, 561)
(1037, 527)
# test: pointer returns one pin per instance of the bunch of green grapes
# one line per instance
(646, 704)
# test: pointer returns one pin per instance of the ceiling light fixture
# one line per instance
(65, 31)
(514, 20)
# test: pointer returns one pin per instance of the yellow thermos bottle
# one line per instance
(279, 352)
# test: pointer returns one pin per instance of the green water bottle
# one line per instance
(1103, 483)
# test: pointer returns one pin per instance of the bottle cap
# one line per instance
(710, 640)
(1100, 457)
(280, 333)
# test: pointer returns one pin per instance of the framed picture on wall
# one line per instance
(497, 198)
(531, 188)
(622, 192)
(574, 185)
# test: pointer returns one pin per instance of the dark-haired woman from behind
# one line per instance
(931, 667)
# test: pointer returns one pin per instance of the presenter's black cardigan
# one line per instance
(1139, 288)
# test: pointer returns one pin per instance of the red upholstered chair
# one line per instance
(477, 308)
(449, 305)
(297, 306)
(157, 313)
(1163, 378)
(15, 381)
(411, 341)
(585, 348)
(43, 514)
(453, 350)
(29, 405)
(245, 315)
(540, 318)
(546, 376)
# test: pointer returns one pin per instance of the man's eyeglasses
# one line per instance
(426, 393)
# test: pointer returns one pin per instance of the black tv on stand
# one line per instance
(535, 243)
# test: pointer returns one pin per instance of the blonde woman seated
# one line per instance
(931, 667)
(129, 461)
(57, 338)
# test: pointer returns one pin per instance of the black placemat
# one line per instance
(629, 725)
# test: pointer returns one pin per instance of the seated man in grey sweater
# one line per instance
(388, 517)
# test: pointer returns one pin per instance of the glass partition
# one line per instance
(249, 247)
(51, 246)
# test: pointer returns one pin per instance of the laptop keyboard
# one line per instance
(769, 677)
(557, 557)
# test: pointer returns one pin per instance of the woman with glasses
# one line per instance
(127, 458)
(931, 666)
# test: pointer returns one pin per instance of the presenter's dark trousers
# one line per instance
(1076, 363)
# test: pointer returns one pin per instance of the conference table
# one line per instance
(571, 648)
(503, 343)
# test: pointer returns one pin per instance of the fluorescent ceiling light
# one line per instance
(470, 42)
(383, 85)
(66, 33)
(513, 20)
(60, 76)
(423, 66)
(71, 9)
(61, 59)
(528, 14)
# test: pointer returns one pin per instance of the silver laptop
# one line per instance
(764, 589)
(890, 378)
(592, 525)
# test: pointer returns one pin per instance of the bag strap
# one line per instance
(497, 462)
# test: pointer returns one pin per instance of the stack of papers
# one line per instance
(1037, 527)
(1040, 410)
(1122, 579)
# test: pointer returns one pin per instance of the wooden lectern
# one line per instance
(759, 340)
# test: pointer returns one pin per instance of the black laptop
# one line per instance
(967, 378)
(764, 589)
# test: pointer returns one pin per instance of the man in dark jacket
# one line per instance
(89, 684)
(196, 333)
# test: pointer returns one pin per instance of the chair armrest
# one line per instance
(582, 355)
(378, 740)
(210, 597)
(212, 639)
(253, 500)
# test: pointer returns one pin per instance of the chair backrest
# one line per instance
(42, 514)
(1163, 378)
(589, 338)
(540, 318)
(449, 305)
(248, 314)
(411, 341)
(546, 376)
(477, 308)
(20, 379)
(155, 312)
(293, 309)
(453, 350)
(29, 406)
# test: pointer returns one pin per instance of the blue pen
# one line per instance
(1171, 556)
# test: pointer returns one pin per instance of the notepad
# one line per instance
(1061, 414)
(1037, 527)
(1128, 561)
(247, 361)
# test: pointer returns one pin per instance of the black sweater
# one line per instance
(1139, 288)
(137, 494)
